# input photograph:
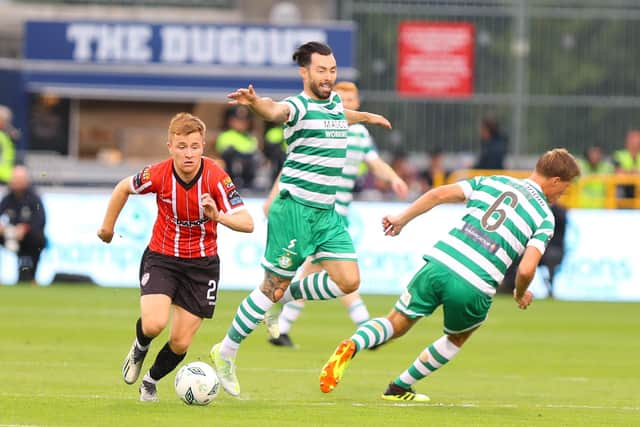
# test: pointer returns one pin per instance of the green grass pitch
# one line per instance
(556, 364)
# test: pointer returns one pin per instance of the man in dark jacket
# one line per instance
(493, 144)
(22, 220)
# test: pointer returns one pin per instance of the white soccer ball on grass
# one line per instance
(197, 384)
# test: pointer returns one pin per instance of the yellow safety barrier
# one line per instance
(610, 194)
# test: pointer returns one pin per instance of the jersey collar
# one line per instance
(188, 185)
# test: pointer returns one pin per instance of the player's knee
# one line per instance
(348, 284)
(179, 345)
(153, 327)
(459, 339)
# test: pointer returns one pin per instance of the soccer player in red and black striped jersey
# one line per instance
(180, 268)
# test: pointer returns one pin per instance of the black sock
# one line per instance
(143, 340)
(166, 361)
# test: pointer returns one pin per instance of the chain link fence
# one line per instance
(555, 73)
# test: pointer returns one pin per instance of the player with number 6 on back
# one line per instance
(505, 218)
(180, 269)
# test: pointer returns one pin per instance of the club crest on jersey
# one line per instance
(145, 279)
(143, 176)
(284, 261)
(227, 182)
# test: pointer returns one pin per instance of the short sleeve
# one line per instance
(542, 236)
(297, 110)
(470, 185)
(227, 198)
(142, 182)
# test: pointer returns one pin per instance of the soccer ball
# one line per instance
(197, 384)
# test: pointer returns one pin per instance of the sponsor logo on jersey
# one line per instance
(227, 182)
(234, 197)
(186, 222)
(480, 238)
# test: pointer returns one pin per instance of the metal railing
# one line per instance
(614, 191)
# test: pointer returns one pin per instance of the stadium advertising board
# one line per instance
(599, 265)
(435, 59)
(174, 55)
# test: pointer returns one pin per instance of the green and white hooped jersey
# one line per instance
(503, 216)
(360, 148)
(316, 135)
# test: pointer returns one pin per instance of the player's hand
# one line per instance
(524, 301)
(392, 225)
(105, 235)
(400, 188)
(377, 119)
(244, 96)
(209, 206)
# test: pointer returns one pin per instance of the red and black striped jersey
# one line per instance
(181, 228)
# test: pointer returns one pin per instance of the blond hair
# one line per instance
(346, 87)
(185, 124)
(558, 162)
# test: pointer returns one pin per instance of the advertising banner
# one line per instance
(600, 263)
(168, 60)
(435, 59)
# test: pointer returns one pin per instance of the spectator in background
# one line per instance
(593, 192)
(407, 172)
(493, 144)
(436, 173)
(627, 161)
(237, 147)
(552, 257)
(22, 220)
(274, 149)
(8, 134)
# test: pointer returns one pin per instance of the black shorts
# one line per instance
(191, 283)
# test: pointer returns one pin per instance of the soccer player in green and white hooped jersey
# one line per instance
(505, 218)
(302, 220)
(360, 148)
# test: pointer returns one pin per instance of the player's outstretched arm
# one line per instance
(354, 116)
(267, 108)
(392, 225)
(524, 276)
(383, 171)
(117, 201)
(239, 220)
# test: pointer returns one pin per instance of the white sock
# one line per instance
(290, 313)
(358, 311)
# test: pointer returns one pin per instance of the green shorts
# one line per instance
(465, 306)
(296, 231)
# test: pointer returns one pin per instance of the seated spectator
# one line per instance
(493, 144)
(436, 173)
(403, 167)
(627, 161)
(22, 220)
(593, 192)
(237, 147)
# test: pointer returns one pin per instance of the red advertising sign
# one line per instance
(435, 59)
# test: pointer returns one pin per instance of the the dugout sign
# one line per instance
(168, 43)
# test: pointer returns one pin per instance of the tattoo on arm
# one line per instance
(274, 286)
